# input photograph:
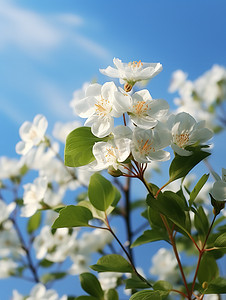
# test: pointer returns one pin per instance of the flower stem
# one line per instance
(127, 254)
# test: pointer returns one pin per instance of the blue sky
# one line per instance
(50, 48)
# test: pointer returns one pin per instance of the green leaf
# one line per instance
(197, 188)
(78, 148)
(146, 295)
(201, 222)
(220, 242)
(46, 263)
(182, 165)
(150, 236)
(169, 204)
(53, 276)
(217, 286)
(135, 283)
(91, 285)
(111, 294)
(87, 298)
(73, 216)
(162, 285)
(101, 192)
(34, 222)
(112, 263)
(208, 269)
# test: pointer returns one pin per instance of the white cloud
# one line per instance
(36, 33)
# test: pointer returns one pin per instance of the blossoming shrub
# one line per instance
(177, 213)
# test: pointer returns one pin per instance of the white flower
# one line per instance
(98, 107)
(148, 144)
(113, 152)
(164, 265)
(207, 86)
(7, 268)
(211, 297)
(61, 130)
(186, 132)
(39, 292)
(77, 95)
(5, 210)
(81, 263)
(143, 110)
(219, 187)
(33, 195)
(133, 71)
(55, 247)
(108, 280)
(177, 81)
(9, 167)
(17, 296)
(31, 134)
(10, 245)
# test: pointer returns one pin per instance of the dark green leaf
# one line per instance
(182, 165)
(101, 192)
(150, 236)
(111, 294)
(197, 188)
(220, 242)
(34, 222)
(78, 148)
(135, 283)
(217, 286)
(46, 263)
(146, 295)
(112, 263)
(201, 222)
(91, 285)
(169, 205)
(208, 269)
(73, 216)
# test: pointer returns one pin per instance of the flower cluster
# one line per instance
(128, 132)
(149, 129)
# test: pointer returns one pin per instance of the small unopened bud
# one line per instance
(217, 205)
(113, 172)
(128, 87)
(205, 285)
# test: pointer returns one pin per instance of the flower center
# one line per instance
(182, 139)
(140, 108)
(135, 64)
(146, 147)
(103, 107)
(32, 134)
(110, 154)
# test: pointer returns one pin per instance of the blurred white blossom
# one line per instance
(31, 134)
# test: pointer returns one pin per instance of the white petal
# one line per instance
(41, 123)
(219, 191)
(160, 155)
(23, 148)
(102, 127)
(85, 107)
(180, 151)
(93, 90)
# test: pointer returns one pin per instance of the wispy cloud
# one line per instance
(11, 112)
(34, 32)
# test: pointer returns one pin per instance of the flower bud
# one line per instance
(113, 172)
(205, 285)
(217, 205)
(128, 87)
